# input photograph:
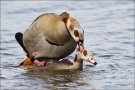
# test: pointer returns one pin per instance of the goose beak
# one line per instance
(92, 61)
(81, 45)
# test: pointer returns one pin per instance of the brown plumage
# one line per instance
(53, 36)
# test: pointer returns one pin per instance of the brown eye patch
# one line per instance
(85, 52)
(76, 33)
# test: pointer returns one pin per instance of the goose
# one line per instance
(85, 55)
(51, 36)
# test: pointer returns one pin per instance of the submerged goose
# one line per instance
(51, 36)
(58, 65)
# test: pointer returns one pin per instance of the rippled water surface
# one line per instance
(109, 33)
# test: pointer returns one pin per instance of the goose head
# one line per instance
(75, 30)
(86, 55)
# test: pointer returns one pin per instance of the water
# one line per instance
(109, 33)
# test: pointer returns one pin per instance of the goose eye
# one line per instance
(76, 33)
(91, 58)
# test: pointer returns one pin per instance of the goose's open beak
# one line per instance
(81, 46)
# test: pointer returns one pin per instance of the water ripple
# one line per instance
(109, 33)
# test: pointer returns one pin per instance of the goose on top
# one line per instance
(52, 36)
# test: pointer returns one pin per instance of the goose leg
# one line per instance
(66, 61)
(29, 62)
(38, 63)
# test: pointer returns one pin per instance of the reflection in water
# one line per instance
(53, 79)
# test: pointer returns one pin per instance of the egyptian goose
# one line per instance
(78, 61)
(51, 36)
(86, 55)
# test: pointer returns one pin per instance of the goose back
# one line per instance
(48, 36)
